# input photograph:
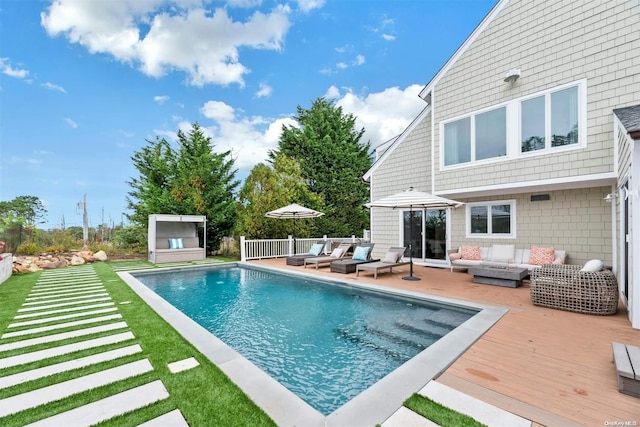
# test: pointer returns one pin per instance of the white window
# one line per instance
(496, 219)
(536, 124)
(477, 137)
(550, 120)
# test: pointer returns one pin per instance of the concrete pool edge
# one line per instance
(374, 405)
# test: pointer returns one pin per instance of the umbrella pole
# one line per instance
(410, 276)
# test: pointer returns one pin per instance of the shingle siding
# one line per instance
(553, 43)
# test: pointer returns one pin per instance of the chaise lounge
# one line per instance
(339, 253)
(316, 250)
(391, 260)
(361, 255)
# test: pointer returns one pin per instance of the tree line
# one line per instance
(318, 163)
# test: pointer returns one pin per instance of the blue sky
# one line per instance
(84, 84)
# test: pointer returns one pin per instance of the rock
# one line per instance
(100, 256)
(55, 264)
(77, 260)
(87, 256)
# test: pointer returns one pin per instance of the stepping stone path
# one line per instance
(70, 305)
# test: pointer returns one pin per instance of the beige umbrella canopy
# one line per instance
(410, 199)
(293, 211)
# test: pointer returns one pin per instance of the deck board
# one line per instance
(546, 365)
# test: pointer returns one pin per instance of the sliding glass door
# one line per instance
(426, 231)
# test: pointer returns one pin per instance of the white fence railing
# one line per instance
(276, 248)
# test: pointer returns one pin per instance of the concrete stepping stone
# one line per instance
(45, 295)
(59, 287)
(34, 356)
(63, 310)
(63, 317)
(405, 417)
(183, 365)
(65, 299)
(34, 374)
(173, 419)
(109, 407)
(475, 408)
(64, 285)
(41, 396)
(22, 310)
(61, 326)
(62, 336)
(68, 280)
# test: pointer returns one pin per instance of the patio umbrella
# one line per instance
(293, 211)
(413, 199)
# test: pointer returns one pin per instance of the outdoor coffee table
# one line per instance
(511, 277)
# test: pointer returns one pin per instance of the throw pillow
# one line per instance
(391, 257)
(558, 260)
(454, 256)
(470, 252)
(180, 243)
(593, 266)
(361, 253)
(316, 249)
(337, 253)
(173, 243)
(541, 256)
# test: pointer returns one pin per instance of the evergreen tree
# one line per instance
(271, 187)
(333, 160)
(192, 180)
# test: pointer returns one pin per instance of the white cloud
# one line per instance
(309, 5)
(71, 123)
(359, 60)
(22, 160)
(203, 44)
(332, 93)
(389, 37)
(161, 99)
(265, 91)
(385, 114)
(7, 69)
(344, 49)
(54, 87)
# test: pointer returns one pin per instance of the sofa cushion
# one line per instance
(504, 253)
(337, 253)
(470, 252)
(593, 265)
(176, 243)
(361, 253)
(316, 248)
(541, 256)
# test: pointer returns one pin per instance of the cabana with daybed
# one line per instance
(174, 238)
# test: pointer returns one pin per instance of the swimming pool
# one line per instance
(365, 334)
(325, 343)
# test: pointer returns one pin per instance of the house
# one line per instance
(534, 124)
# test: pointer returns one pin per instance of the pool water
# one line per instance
(325, 342)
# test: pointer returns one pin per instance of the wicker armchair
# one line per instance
(566, 287)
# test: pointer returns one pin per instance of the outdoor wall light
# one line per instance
(609, 197)
(630, 193)
(512, 75)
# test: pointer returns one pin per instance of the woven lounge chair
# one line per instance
(299, 259)
(569, 288)
(391, 259)
(348, 265)
(344, 252)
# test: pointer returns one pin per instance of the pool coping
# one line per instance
(374, 405)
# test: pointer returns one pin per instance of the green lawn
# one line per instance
(204, 395)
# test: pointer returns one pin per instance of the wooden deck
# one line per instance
(549, 366)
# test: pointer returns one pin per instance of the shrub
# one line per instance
(29, 248)
(56, 248)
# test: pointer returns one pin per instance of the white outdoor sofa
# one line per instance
(181, 229)
(502, 254)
